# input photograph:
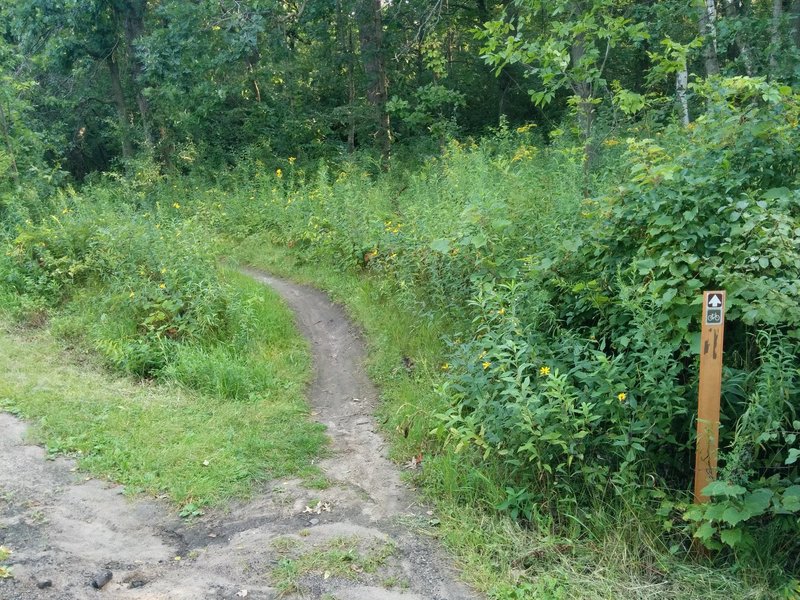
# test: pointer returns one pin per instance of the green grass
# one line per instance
(620, 555)
(342, 557)
(198, 446)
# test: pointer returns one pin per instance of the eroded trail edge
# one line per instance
(360, 539)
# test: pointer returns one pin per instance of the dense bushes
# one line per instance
(142, 288)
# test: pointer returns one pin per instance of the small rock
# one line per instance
(44, 583)
(314, 521)
(137, 583)
(101, 579)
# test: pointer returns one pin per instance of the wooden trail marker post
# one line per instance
(710, 387)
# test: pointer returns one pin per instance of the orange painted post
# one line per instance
(708, 397)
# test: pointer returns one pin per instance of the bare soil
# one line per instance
(66, 529)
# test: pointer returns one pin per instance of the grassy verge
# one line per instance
(619, 556)
(199, 446)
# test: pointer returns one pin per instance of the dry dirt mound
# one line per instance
(357, 540)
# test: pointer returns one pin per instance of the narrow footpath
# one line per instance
(362, 538)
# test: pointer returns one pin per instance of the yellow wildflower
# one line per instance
(621, 396)
(131, 295)
(446, 367)
(291, 160)
(502, 311)
(544, 371)
(162, 285)
(486, 364)
(176, 205)
(278, 173)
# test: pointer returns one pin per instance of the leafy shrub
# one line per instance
(158, 279)
(714, 206)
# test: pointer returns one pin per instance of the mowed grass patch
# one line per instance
(198, 446)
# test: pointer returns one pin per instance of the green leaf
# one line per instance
(731, 537)
(775, 193)
(705, 531)
(441, 245)
(733, 516)
(791, 498)
(723, 488)
(757, 501)
(794, 454)
(479, 240)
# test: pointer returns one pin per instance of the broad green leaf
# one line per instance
(441, 245)
(705, 531)
(723, 488)
(733, 516)
(757, 501)
(731, 537)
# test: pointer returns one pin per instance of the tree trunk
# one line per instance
(681, 83)
(122, 109)
(7, 137)
(732, 13)
(586, 113)
(346, 49)
(708, 29)
(134, 27)
(775, 36)
(371, 37)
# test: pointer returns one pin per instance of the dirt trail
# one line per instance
(360, 541)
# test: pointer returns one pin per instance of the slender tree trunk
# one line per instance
(586, 112)
(775, 36)
(794, 17)
(122, 109)
(371, 37)
(346, 49)
(732, 12)
(134, 27)
(7, 137)
(681, 83)
(708, 29)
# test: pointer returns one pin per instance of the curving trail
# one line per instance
(65, 529)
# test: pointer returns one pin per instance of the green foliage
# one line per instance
(716, 206)
(572, 372)
(143, 285)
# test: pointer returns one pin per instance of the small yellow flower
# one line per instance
(446, 367)
(278, 173)
(131, 295)
(502, 311)
(291, 160)
(163, 270)
(544, 371)
(162, 285)
(176, 205)
(486, 364)
(621, 396)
